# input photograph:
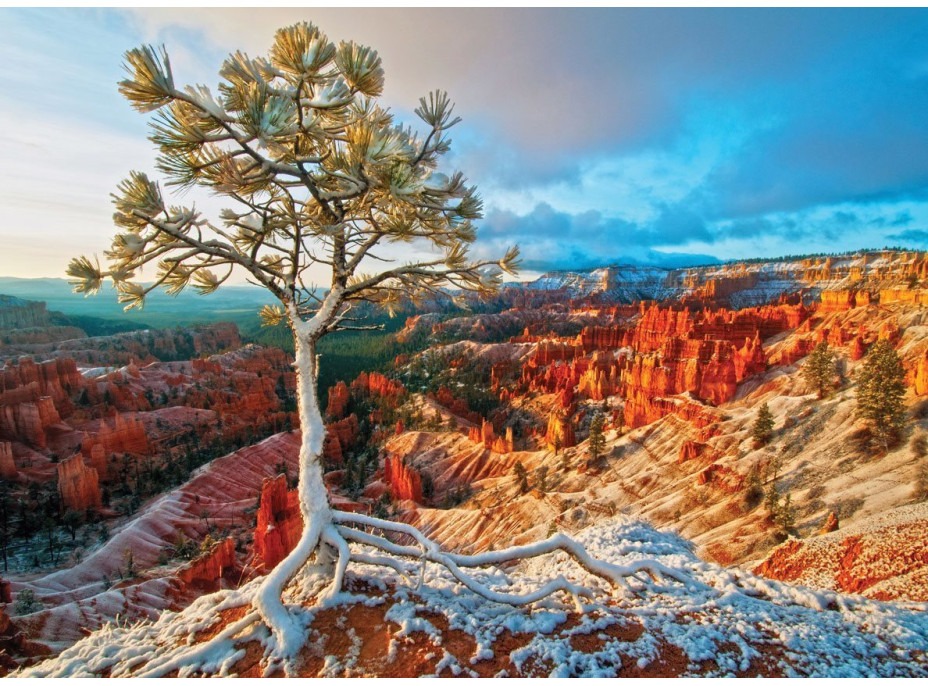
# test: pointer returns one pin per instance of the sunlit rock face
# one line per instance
(403, 481)
(279, 523)
(210, 566)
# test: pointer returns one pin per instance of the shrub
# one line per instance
(26, 603)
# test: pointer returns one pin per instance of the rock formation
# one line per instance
(127, 435)
(560, 432)
(338, 400)
(78, 484)
(403, 481)
(7, 465)
(690, 450)
(279, 523)
(27, 421)
(920, 381)
(831, 524)
(339, 437)
(16, 313)
(210, 566)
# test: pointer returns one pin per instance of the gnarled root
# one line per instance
(331, 538)
(341, 531)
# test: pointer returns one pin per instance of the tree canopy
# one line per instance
(317, 174)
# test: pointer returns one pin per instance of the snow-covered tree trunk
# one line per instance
(313, 497)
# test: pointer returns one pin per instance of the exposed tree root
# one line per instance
(333, 552)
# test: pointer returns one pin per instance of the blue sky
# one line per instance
(595, 136)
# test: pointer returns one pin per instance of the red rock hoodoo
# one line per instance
(78, 484)
(7, 465)
(403, 481)
(279, 523)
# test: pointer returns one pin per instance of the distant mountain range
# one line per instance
(230, 303)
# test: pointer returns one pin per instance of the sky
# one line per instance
(668, 137)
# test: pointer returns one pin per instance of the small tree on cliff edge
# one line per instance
(880, 391)
(319, 178)
(819, 369)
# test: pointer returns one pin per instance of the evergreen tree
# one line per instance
(763, 426)
(880, 390)
(819, 369)
(541, 478)
(522, 476)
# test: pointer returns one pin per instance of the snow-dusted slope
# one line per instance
(726, 623)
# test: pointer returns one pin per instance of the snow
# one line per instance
(731, 619)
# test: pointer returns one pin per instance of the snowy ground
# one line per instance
(727, 622)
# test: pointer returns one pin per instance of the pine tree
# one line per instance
(541, 478)
(597, 441)
(819, 369)
(323, 189)
(763, 426)
(522, 476)
(880, 392)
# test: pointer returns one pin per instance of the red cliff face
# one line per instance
(403, 481)
(78, 484)
(673, 351)
(7, 465)
(690, 450)
(340, 436)
(279, 523)
(560, 432)
(24, 415)
(210, 566)
(56, 378)
(841, 300)
(486, 435)
(338, 400)
(856, 349)
(125, 435)
(379, 386)
(904, 296)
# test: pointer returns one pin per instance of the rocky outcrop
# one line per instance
(126, 435)
(377, 385)
(78, 485)
(690, 450)
(16, 313)
(339, 437)
(99, 461)
(27, 421)
(920, 380)
(7, 465)
(884, 557)
(831, 524)
(279, 523)
(338, 400)
(560, 432)
(486, 435)
(403, 481)
(56, 378)
(904, 296)
(842, 300)
(210, 566)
